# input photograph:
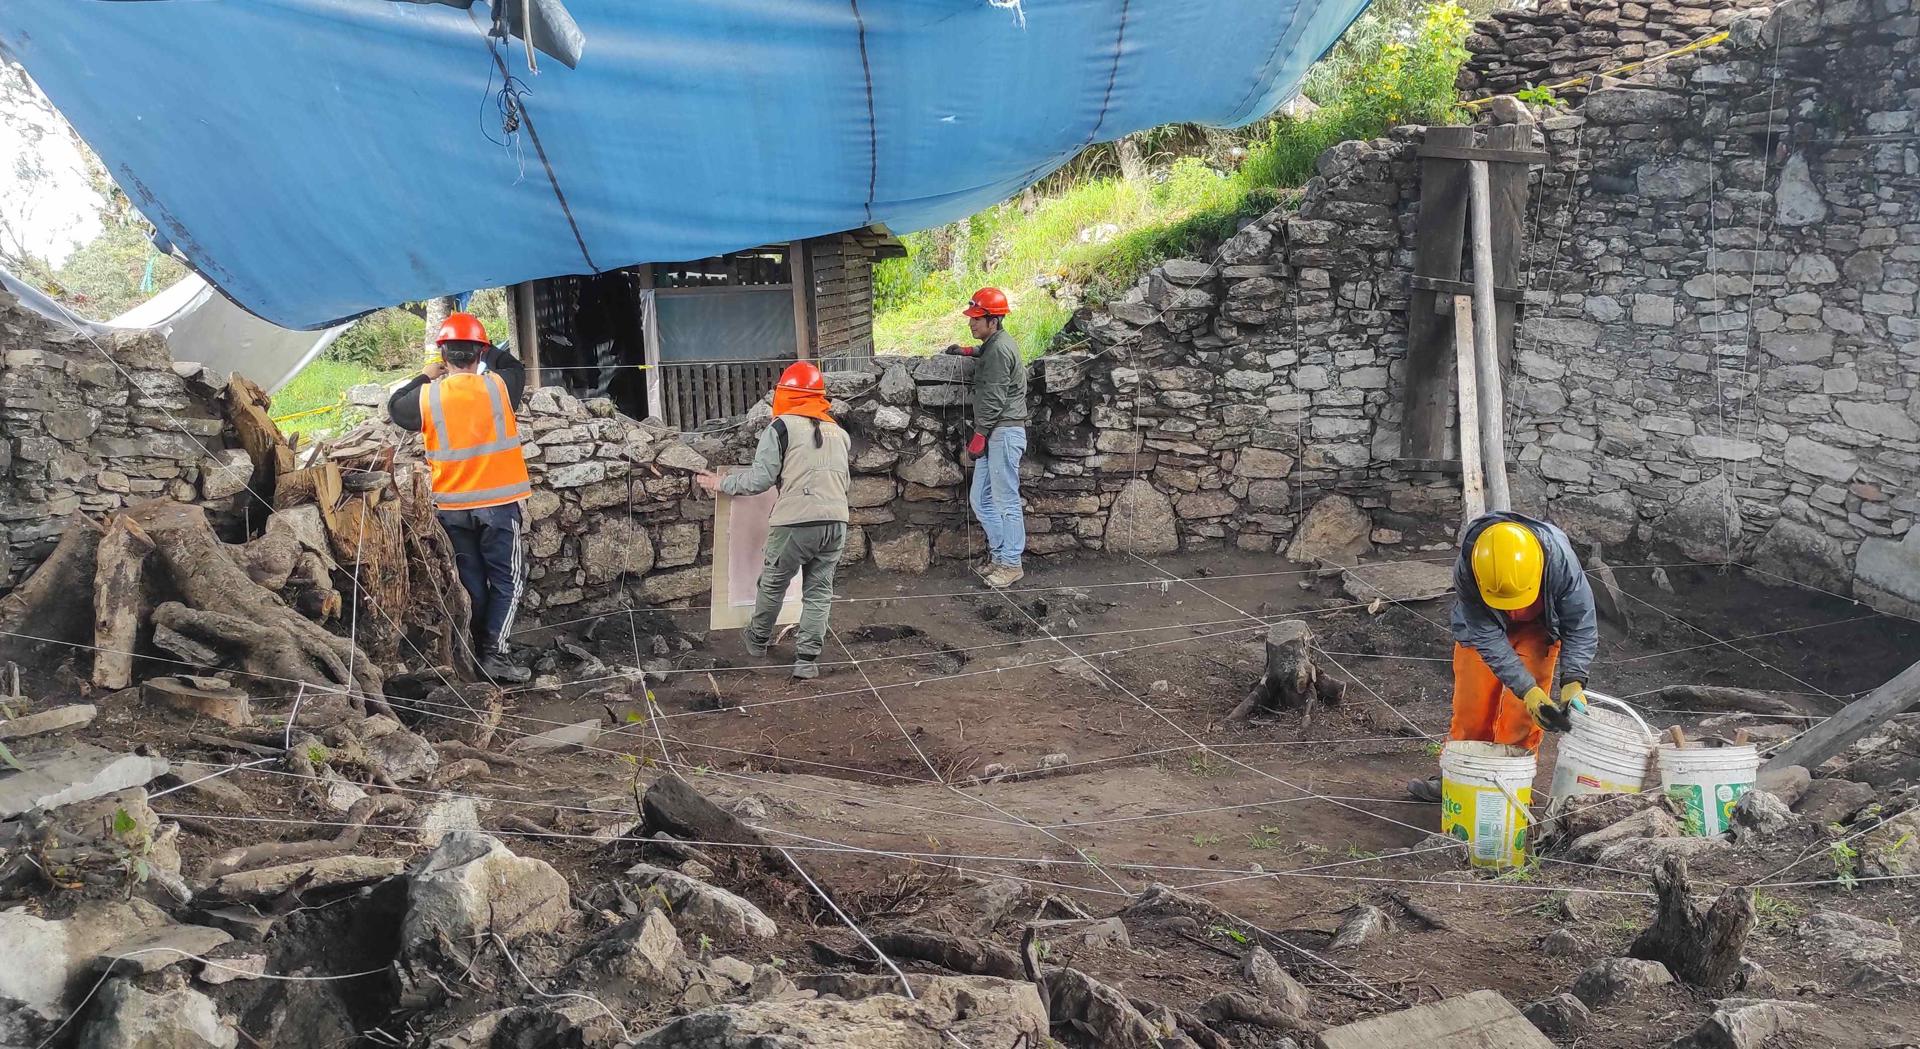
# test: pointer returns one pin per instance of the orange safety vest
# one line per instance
(473, 442)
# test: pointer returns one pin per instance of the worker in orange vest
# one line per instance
(463, 404)
(1522, 610)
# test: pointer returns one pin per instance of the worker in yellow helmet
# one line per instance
(1521, 606)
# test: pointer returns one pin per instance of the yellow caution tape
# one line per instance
(1588, 78)
(311, 411)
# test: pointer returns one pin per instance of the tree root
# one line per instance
(273, 854)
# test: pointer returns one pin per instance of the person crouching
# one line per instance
(804, 452)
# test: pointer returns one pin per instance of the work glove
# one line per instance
(957, 350)
(1573, 696)
(977, 445)
(1545, 713)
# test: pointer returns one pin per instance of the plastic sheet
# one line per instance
(315, 159)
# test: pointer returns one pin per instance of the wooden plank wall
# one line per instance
(842, 267)
(693, 394)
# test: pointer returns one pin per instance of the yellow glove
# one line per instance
(1573, 696)
(1545, 714)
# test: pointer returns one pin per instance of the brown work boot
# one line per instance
(1001, 577)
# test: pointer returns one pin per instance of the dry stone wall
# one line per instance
(1557, 40)
(1718, 348)
(90, 424)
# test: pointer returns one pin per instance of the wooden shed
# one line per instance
(690, 342)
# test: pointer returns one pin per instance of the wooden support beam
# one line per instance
(1823, 741)
(526, 330)
(1483, 154)
(1461, 287)
(1442, 231)
(1473, 476)
(1486, 345)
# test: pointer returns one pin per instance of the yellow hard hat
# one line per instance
(1507, 565)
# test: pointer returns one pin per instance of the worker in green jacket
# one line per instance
(999, 436)
(804, 453)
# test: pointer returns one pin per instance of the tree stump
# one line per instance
(1699, 946)
(1291, 680)
(42, 606)
(119, 601)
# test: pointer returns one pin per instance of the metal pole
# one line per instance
(1486, 349)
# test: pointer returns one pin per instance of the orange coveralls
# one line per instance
(1489, 712)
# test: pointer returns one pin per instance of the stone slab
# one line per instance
(152, 950)
(553, 741)
(80, 773)
(1399, 580)
(42, 722)
(1481, 1020)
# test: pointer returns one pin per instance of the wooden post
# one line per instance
(1473, 476)
(526, 331)
(1443, 221)
(1509, 214)
(119, 605)
(1486, 345)
(1856, 719)
(800, 273)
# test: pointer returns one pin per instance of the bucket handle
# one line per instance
(1652, 736)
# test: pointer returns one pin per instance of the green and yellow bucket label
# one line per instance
(1492, 826)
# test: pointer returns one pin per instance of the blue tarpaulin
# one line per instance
(315, 159)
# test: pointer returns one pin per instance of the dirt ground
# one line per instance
(1121, 774)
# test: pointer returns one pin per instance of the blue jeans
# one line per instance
(996, 494)
(486, 550)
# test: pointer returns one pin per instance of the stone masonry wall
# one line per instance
(1718, 347)
(1556, 40)
(90, 425)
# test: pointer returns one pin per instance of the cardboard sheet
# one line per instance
(739, 549)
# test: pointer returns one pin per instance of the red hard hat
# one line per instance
(987, 302)
(803, 375)
(461, 327)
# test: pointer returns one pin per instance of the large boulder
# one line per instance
(1141, 521)
(909, 552)
(1607, 518)
(1887, 574)
(967, 1010)
(1617, 980)
(48, 960)
(1704, 523)
(1799, 553)
(125, 1017)
(472, 885)
(1335, 531)
(697, 905)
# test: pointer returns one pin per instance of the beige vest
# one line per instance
(813, 481)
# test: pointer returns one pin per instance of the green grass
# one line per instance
(323, 382)
(1096, 237)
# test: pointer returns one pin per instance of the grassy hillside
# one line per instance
(1088, 239)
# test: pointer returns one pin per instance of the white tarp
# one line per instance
(200, 325)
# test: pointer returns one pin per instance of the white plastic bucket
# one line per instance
(1704, 783)
(1485, 789)
(1605, 753)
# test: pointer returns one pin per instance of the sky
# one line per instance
(54, 210)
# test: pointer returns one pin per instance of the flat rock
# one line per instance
(331, 872)
(232, 962)
(558, 740)
(48, 959)
(80, 773)
(472, 885)
(1746, 1023)
(970, 1010)
(1645, 855)
(1789, 783)
(123, 1016)
(1481, 1020)
(41, 722)
(698, 905)
(1647, 823)
(1399, 581)
(1141, 521)
(1835, 938)
(1561, 1017)
(1618, 979)
(151, 950)
(1829, 801)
